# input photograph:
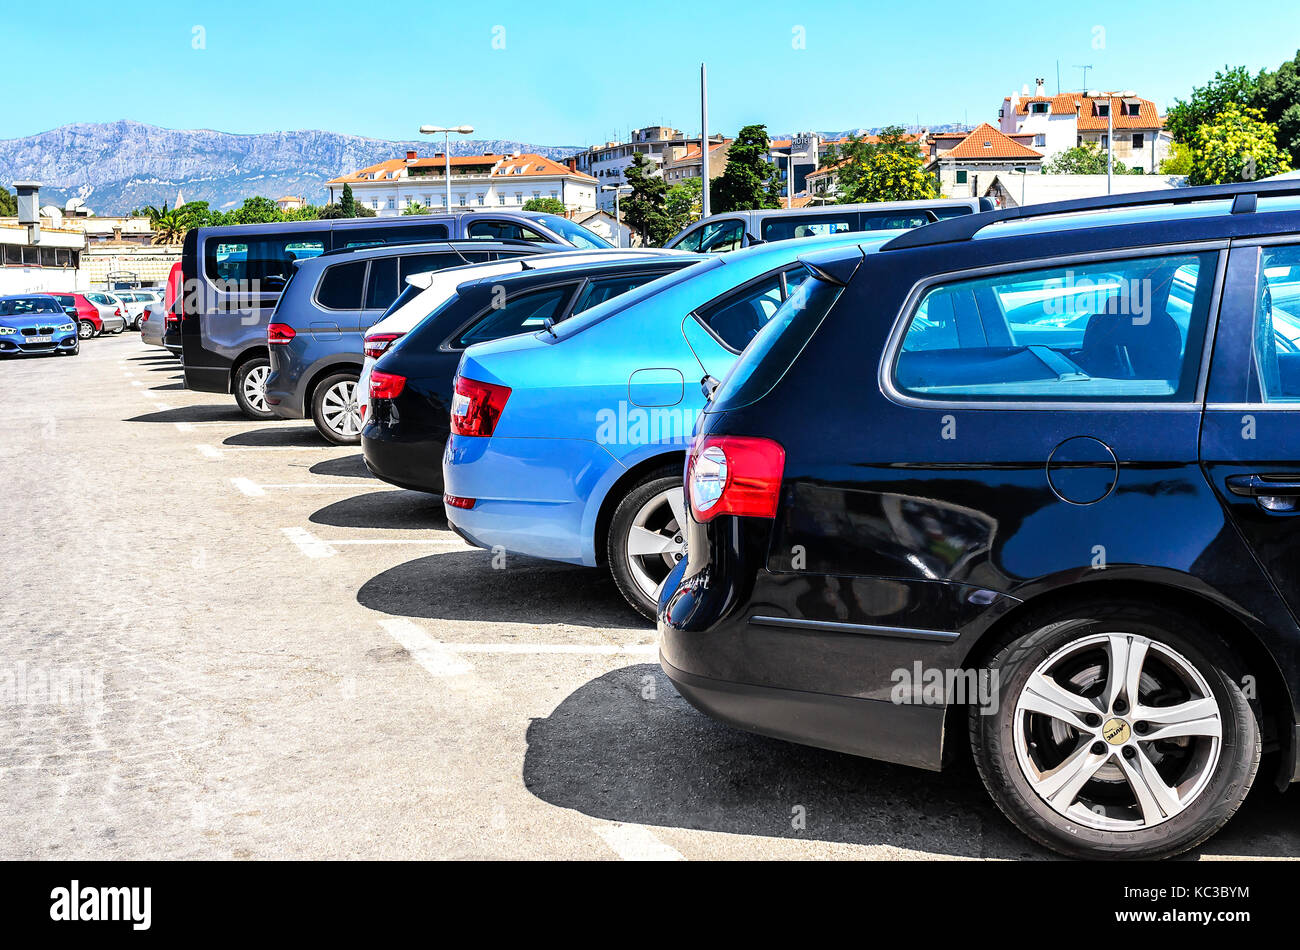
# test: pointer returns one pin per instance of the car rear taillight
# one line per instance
(117, 312)
(456, 501)
(280, 333)
(734, 475)
(386, 385)
(477, 406)
(376, 345)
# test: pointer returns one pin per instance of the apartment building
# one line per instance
(1060, 122)
(477, 181)
(659, 143)
(678, 168)
(965, 163)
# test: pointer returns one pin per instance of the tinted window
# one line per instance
(738, 317)
(422, 263)
(721, 236)
(381, 289)
(504, 230)
(691, 242)
(411, 234)
(1276, 336)
(266, 259)
(781, 228)
(1128, 330)
(521, 314)
(605, 288)
(340, 287)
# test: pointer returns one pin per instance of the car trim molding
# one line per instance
(865, 629)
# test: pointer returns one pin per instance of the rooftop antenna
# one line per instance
(1058, 77)
(1085, 69)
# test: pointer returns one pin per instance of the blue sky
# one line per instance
(578, 72)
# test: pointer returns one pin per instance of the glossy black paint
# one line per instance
(403, 439)
(885, 530)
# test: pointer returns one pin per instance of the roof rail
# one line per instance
(966, 226)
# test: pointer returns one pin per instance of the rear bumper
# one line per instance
(416, 465)
(287, 403)
(907, 735)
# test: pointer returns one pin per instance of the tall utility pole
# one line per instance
(704, 140)
(1085, 69)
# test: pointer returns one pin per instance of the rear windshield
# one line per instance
(776, 346)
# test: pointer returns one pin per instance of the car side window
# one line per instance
(1276, 338)
(340, 287)
(736, 318)
(598, 291)
(721, 237)
(381, 288)
(523, 313)
(1130, 330)
(503, 230)
(691, 242)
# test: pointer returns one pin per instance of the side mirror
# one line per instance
(709, 385)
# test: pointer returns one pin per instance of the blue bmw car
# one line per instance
(569, 443)
(36, 323)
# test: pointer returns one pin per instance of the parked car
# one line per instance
(112, 312)
(917, 516)
(89, 322)
(153, 324)
(135, 302)
(720, 233)
(315, 334)
(426, 292)
(237, 273)
(34, 324)
(568, 443)
(410, 388)
(171, 309)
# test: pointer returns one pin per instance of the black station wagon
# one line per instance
(1022, 481)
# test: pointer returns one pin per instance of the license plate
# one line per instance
(38, 339)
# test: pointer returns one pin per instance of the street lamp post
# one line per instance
(445, 132)
(1110, 132)
(789, 174)
(618, 218)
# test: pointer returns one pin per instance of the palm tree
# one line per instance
(169, 227)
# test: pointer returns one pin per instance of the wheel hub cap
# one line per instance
(655, 542)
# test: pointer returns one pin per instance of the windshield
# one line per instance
(575, 234)
(580, 322)
(775, 347)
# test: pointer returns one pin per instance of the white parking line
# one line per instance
(308, 543)
(208, 451)
(636, 843)
(135, 382)
(184, 426)
(428, 652)
(247, 486)
(212, 452)
(250, 487)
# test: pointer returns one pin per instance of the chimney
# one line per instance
(573, 164)
(117, 232)
(29, 209)
(410, 155)
(1040, 87)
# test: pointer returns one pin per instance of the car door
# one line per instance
(1250, 442)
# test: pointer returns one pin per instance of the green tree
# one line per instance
(169, 227)
(8, 203)
(545, 205)
(1178, 161)
(892, 168)
(750, 181)
(414, 207)
(305, 213)
(1238, 146)
(1208, 102)
(1085, 159)
(348, 204)
(645, 209)
(684, 203)
(257, 210)
(1278, 95)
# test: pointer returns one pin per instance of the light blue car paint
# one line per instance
(569, 430)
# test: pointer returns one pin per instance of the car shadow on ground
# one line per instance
(166, 386)
(280, 435)
(349, 466)
(228, 413)
(463, 585)
(627, 747)
(411, 510)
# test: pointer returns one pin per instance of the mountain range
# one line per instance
(116, 167)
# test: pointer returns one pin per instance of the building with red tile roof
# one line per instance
(965, 163)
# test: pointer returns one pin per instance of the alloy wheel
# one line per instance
(255, 387)
(340, 409)
(655, 541)
(1117, 732)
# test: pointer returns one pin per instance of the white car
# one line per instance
(427, 292)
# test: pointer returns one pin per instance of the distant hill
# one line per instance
(118, 166)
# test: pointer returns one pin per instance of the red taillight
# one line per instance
(386, 385)
(376, 345)
(734, 475)
(477, 406)
(456, 501)
(280, 333)
(117, 312)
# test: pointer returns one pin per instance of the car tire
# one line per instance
(85, 330)
(646, 538)
(334, 409)
(1103, 791)
(250, 388)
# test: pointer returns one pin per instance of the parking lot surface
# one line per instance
(224, 639)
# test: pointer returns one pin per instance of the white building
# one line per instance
(1064, 121)
(1012, 190)
(608, 163)
(477, 181)
(52, 263)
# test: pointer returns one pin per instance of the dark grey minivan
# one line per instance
(316, 333)
(233, 277)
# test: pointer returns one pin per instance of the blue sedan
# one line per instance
(36, 323)
(568, 444)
